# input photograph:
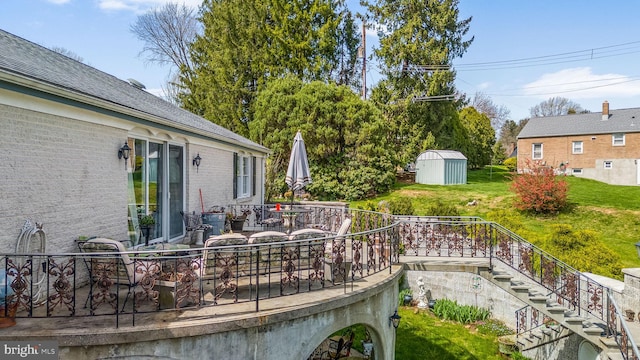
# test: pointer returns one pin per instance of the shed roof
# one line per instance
(619, 121)
(23, 59)
(441, 154)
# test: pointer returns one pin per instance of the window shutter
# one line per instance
(253, 174)
(235, 175)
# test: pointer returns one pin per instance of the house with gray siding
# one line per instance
(85, 154)
(600, 146)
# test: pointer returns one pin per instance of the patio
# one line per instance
(120, 284)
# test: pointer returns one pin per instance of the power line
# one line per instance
(581, 55)
(566, 91)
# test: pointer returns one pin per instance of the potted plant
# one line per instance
(406, 296)
(147, 223)
(236, 222)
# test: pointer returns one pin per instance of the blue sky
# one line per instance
(585, 51)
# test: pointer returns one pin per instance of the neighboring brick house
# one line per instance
(601, 146)
(63, 124)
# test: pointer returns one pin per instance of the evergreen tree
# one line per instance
(344, 136)
(418, 41)
(246, 43)
(481, 137)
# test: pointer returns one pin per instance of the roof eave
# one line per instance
(46, 87)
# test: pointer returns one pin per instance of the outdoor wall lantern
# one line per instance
(395, 319)
(124, 152)
(196, 161)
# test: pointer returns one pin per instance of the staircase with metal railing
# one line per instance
(552, 289)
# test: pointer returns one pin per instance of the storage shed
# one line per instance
(441, 167)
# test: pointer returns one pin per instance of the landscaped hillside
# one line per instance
(596, 234)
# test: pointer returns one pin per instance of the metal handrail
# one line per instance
(292, 266)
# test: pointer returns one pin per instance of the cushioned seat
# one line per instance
(228, 259)
(118, 269)
(338, 254)
(310, 253)
(270, 257)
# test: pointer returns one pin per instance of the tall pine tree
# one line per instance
(247, 43)
(418, 41)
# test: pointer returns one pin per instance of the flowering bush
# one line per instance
(539, 190)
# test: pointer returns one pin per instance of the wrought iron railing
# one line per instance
(85, 284)
(530, 318)
(474, 237)
(122, 285)
(618, 329)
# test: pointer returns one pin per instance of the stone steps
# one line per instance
(589, 328)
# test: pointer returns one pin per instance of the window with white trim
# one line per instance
(608, 164)
(617, 139)
(536, 151)
(576, 147)
(243, 176)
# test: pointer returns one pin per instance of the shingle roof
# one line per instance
(619, 121)
(26, 59)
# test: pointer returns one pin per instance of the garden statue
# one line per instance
(422, 304)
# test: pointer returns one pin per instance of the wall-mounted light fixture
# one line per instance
(124, 152)
(395, 319)
(196, 161)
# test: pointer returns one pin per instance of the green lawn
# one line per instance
(611, 212)
(421, 335)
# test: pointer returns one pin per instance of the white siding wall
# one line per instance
(63, 173)
(215, 178)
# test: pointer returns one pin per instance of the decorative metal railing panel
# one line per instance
(473, 237)
(93, 284)
(120, 285)
(618, 329)
(529, 318)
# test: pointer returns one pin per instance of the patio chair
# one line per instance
(269, 257)
(227, 264)
(341, 346)
(266, 220)
(115, 269)
(338, 251)
(310, 253)
(227, 257)
(193, 224)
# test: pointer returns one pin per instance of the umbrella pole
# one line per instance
(292, 195)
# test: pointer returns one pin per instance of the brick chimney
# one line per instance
(605, 110)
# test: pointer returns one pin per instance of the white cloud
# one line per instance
(484, 85)
(583, 83)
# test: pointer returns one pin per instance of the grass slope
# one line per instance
(611, 212)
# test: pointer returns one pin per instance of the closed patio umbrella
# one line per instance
(298, 174)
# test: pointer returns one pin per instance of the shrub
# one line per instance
(441, 209)
(583, 250)
(539, 190)
(511, 163)
(401, 207)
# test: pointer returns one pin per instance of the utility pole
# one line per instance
(364, 62)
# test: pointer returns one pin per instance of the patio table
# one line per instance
(289, 215)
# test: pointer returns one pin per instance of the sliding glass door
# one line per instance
(156, 178)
